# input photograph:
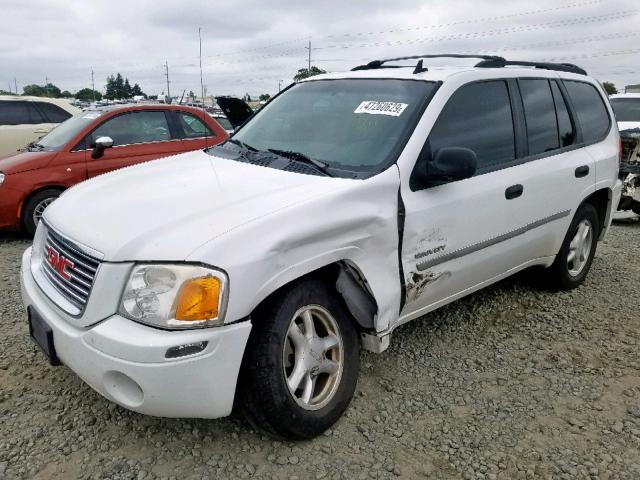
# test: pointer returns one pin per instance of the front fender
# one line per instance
(357, 224)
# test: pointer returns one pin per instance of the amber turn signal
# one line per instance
(198, 299)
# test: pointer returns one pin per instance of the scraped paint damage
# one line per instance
(417, 282)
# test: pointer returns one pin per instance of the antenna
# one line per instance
(166, 66)
(201, 83)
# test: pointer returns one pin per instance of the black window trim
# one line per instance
(519, 125)
(604, 104)
(83, 141)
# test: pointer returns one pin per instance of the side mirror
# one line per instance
(100, 145)
(449, 164)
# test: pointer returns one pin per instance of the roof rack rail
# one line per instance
(375, 64)
(487, 61)
(560, 67)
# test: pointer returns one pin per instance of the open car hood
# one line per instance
(236, 110)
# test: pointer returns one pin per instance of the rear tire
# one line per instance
(574, 259)
(301, 363)
(34, 208)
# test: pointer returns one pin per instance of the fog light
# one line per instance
(185, 350)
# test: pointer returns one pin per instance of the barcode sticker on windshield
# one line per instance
(373, 107)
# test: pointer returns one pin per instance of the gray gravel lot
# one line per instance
(512, 382)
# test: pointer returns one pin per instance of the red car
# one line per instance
(92, 143)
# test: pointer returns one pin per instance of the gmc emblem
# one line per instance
(59, 262)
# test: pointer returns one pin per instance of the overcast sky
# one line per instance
(249, 45)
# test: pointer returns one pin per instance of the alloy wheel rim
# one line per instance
(313, 357)
(580, 248)
(40, 208)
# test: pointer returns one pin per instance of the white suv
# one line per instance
(252, 273)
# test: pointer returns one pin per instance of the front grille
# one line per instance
(77, 287)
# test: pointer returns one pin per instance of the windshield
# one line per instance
(64, 133)
(357, 125)
(626, 109)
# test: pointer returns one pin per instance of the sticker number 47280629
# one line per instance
(373, 107)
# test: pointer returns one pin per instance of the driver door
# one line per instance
(138, 136)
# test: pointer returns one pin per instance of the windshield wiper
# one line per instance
(302, 158)
(242, 144)
(34, 147)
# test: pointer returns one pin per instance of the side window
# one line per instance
(192, 126)
(134, 127)
(566, 131)
(478, 116)
(54, 113)
(540, 115)
(589, 106)
(14, 112)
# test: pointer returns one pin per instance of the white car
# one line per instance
(626, 107)
(26, 119)
(253, 272)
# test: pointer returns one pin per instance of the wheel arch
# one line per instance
(602, 200)
(349, 283)
(34, 192)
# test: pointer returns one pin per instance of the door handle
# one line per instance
(582, 171)
(514, 191)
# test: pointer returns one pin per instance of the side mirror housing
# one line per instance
(100, 145)
(449, 164)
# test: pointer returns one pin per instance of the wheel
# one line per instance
(635, 207)
(574, 259)
(34, 208)
(301, 363)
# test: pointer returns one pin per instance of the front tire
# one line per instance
(574, 259)
(35, 207)
(301, 363)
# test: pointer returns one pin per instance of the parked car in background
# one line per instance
(626, 107)
(251, 274)
(92, 143)
(25, 119)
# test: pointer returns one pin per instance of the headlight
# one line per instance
(175, 296)
(1, 178)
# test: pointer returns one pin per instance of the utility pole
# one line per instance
(15, 84)
(166, 66)
(309, 48)
(201, 82)
(46, 85)
(279, 85)
(93, 86)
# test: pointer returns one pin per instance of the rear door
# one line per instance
(138, 136)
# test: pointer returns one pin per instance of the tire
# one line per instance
(34, 208)
(271, 358)
(635, 207)
(566, 273)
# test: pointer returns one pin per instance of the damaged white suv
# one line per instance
(252, 273)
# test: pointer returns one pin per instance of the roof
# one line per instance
(143, 106)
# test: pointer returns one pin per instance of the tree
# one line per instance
(88, 95)
(306, 73)
(126, 89)
(136, 91)
(48, 90)
(247, 97)
(4, 92)
(66, 94)
(264, 97)
(610, 88)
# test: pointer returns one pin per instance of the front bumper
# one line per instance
(125, 361)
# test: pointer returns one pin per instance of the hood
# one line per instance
(236, 110)
(628, 125)
(165, 209)
(25, 161)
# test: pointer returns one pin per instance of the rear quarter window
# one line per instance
(17, 112)
(590, 109)
(54, 113)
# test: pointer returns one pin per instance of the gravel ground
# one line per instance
(512, 382)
